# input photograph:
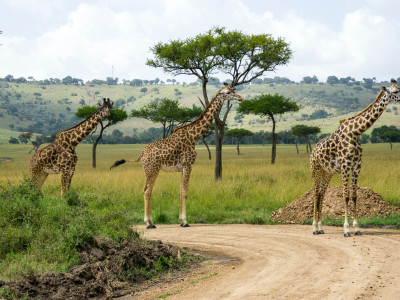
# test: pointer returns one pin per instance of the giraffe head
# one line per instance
(105, 107)
(392, 91)
(228, 93)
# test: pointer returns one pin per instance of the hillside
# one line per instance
(31, 106)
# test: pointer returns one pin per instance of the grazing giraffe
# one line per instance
(340, 153)
(59, 156)
(176, 153)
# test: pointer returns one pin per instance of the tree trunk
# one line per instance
(297, 148)
(219, 137)
(95, 142)
(308, 144)
(237, 146)
(208, 149)
(273, 156)
(391, 146)
(94, 154)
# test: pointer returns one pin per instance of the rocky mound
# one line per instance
(108, 271)
(369, 204)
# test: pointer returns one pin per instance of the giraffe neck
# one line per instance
(361, 122)
(77, 133)
(197, 128)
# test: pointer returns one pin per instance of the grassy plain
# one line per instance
(41, 232)
(251, 187)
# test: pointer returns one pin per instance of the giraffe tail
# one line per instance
(122, 161)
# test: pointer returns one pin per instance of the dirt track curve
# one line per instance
(284, 262)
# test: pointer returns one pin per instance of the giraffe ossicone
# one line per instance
(176, 153)
(59, 157)
(340, 153)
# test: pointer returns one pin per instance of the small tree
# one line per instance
(39, 140)
(305, 131)
(25, 137)
(168, 113)
(391, 136)
(239, 134)
(269, 106)
(116, 115)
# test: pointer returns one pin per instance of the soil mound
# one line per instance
(369, 204)
(108, 271)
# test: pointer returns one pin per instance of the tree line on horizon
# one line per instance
(69, 80)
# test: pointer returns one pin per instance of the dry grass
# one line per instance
(251, 187)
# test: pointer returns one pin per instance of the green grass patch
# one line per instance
(44, 233)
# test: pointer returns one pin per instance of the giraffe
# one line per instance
(176, 153)
(340, 153)
(59, 157)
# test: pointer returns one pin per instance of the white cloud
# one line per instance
(97, 35)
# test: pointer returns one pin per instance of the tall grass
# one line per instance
(250, 189)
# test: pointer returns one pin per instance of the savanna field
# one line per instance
(106, 203)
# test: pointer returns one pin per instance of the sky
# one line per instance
(96, 39)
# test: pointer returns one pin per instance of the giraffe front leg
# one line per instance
(354, 189)
(345, 182)
(183, 194)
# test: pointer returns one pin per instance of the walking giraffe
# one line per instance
(59, 156)
(340, 153)
(176, 153)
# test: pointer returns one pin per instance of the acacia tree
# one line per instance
(168, 113)
(305, 131)
(243, 57)
(239, 134)
(270, 106)
(116, 115)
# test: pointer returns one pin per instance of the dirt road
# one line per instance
(284, 262)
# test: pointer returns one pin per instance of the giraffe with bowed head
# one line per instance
(176, 153)
(340, 153)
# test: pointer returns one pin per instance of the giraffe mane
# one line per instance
(365, 109)
(80, 123)
(202, 114)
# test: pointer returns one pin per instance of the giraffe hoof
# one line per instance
(315, 232)
(347, 234)
(185, 225)
(321, 232)
(151, 227)
(358, 233)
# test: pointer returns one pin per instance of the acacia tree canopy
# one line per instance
(168, 113)
(267, 105)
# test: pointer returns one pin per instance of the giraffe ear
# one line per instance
(394, 83)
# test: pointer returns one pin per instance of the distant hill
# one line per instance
(49, 108)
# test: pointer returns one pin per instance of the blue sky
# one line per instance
(96, 39)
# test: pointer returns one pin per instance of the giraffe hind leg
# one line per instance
(39, 178)
(326, 178)
(148, 188)
(317, 178)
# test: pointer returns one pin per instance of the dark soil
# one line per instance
(108, 271)
(369, 204)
